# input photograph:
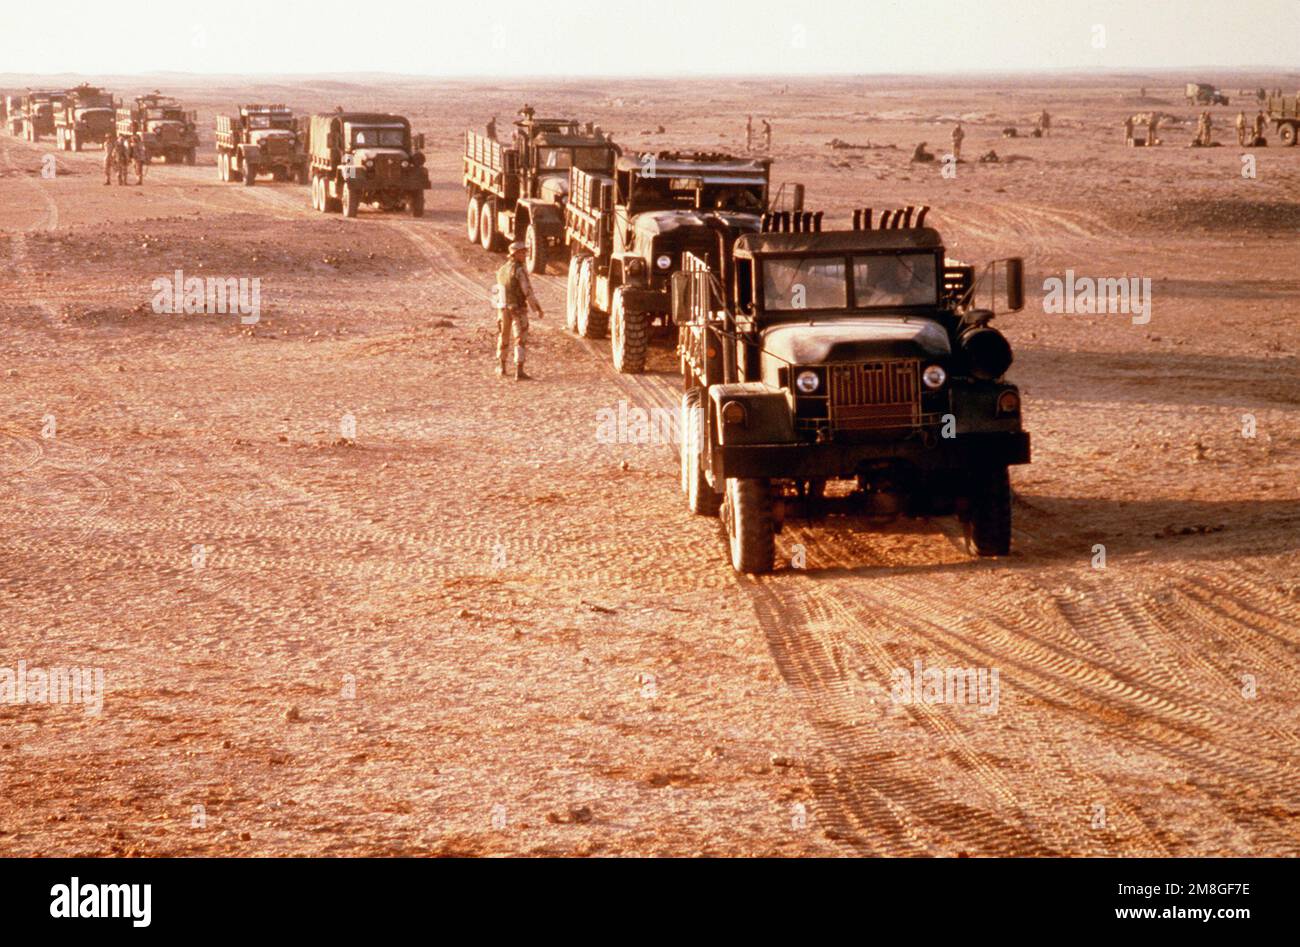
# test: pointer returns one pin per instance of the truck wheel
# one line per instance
(351, 200)
(990, 513)
(416, 203)
(700, 498)
(250, 174)
(473, 210)
(1287, 134)
(76, 142)
(488, 234)
(751, 534)
(628, 336)
(592, 323)
(571, 295)
(535, 255)
(221, 166)
(332, 204)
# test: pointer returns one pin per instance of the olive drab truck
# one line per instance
(260, 139)
(628, 233)
(845, 371)
(87, 116)
(366, 158)
(518, 191)
(1284, 112)
(1203, 93)
(13, 114)
(39, 108)
(162, 126)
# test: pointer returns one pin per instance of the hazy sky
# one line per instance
(642, 37)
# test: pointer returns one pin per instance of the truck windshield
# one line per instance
(808, 283)
(895, 279)
(379, 138)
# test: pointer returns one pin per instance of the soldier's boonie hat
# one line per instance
(517, 247)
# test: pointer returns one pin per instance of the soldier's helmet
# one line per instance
(517, 247)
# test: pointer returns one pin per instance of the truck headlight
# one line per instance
(933, 376)
(807, 382)
(664, 261)
(370, 164)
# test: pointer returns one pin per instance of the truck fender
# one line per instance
(250, 154)
(767, 419)
(548, 218)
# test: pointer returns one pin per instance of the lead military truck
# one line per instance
(811, 357)
(162, 125)
(366, 158)
(86, 116)
(518, 192)
(629, 232)
(260, 139)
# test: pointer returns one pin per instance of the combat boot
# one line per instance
(501, 369)
(521, 375)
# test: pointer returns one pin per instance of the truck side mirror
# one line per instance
(1015, 284)
(419, 142)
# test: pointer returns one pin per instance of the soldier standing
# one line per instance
(1153, 123)
(514, 297)
(110, 149)
(1260, 119)
(1044, 122)
(121, 158)
(492, 128)
(138, 156)
(1128, 129)
(767, 137)
(749, 133)
(1205, 129)
(1241, 128)
(957, 136)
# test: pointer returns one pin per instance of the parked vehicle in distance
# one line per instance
(39, 107)
(1203, 93)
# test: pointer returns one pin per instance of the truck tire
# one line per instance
(571, 295)
(535, 255)
(76, 142)
(315, 194)
(628, 336)
(333, 205)
(1287, 134)
(700, 498)
(473, 210)
(221, 166)
(416, 203)
(250, 174)
(592, 323)
(351, 200)
(990, 512)
(751, 531)
(488, 234)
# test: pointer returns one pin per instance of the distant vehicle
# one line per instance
(86, 116)
(366, 158)
(38, 111)
(855, 355)
(518, 191)
(1284, 112)
(1202, 93)
(261, 139)
(628, 232)
(13, 116)
(166, 129)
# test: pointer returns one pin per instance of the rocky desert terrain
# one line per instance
(353, 594)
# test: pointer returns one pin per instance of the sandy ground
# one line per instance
(478, 628)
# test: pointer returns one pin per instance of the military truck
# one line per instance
(13, 117)
(845, 371)
(517, 192)
(86, 116)
(39, 106)
(366, 158)
(1203, 93)
(167, 130)
(260, 139)
(628, 232)
(1284, 112)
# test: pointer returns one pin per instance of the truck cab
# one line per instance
(855, 358)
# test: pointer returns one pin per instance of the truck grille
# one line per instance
(388, 167)
(875, 395)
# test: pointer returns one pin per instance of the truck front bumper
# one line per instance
(832, 460)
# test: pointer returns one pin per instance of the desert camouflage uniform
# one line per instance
(514, 297)
(1241, 128)
(110, 153)
(138, 156)
(957, 136)
(121, 158)
(1044, 122)
(1128, 129)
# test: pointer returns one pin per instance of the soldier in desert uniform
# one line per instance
(749, 133)
(767, 136)
(1128, 129)
(1153, 124)
(1206, 130)
(121, 159)
(1241, 128)
(957, 136)
(138, 158)
(514, 297)
(1260, 120)
(492, 128)
(110, 151)
(1044, 123)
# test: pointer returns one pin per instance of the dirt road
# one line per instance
(353, 594)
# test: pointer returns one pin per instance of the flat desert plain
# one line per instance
(352, 594)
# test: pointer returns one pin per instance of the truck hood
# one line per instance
(855, 339)
(362, 154)
(655, 222)
(261, 136)
(161, 125)
(92, 112)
